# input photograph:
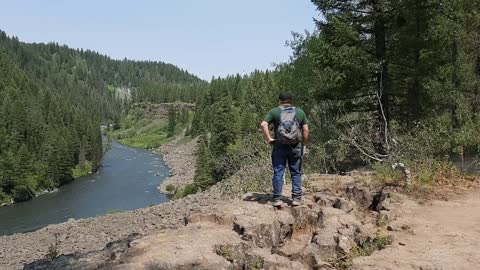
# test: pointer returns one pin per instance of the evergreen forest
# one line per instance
(391, 85)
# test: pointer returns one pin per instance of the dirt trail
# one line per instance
(442, 235)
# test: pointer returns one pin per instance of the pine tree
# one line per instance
(204, 166)
(172, 121)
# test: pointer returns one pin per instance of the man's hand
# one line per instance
(304, 151)
(266, 133)
(305, 132)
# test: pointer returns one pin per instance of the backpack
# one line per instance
(288, 130)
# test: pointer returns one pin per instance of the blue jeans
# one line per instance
(281, 155)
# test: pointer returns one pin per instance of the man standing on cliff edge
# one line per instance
(289, 144)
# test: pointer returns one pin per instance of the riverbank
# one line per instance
(180, 156)
(127, 180)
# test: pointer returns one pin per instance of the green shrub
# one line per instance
(170, 188)
(225, 251)
(22, 193)
(185, 191)
(385, 174)
(79, 171)
(4, 198)
(189, 189)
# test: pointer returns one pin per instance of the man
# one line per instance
(289, 144)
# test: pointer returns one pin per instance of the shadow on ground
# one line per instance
(263, 198)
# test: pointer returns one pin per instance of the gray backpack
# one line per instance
(288, 130)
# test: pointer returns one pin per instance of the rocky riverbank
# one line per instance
(180, 157)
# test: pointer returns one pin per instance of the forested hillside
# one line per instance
(53, 100)
(384, 83)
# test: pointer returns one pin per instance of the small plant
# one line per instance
(225, 251)
(384, 173)
(170, 188)
(308, 187)
(83, 170)
(53, 252)
(255, 263)
(187, 190)
(378, 242)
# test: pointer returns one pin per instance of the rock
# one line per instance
(383, 218)
(326, 243)
(391, 228)
(345, 205)
(313, 257)
(210, 217)
(305, 218)
(360, 195)
(264, 259)
(88, 261)
(324, 200)
(264, 233)
(192, 247)
(381, 201)
(344, 244)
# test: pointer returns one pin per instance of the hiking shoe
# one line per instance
(277, 203)
(297, 202)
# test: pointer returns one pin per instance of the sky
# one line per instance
(207, 38)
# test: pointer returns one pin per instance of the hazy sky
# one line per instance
(208, 37)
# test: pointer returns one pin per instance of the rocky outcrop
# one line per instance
(242, 234)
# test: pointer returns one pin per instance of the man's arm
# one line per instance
(266, 132)
(305, 133)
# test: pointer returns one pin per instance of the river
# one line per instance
(127, 179)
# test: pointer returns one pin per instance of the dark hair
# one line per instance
(285, 96)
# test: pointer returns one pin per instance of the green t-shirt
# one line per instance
(273, 116)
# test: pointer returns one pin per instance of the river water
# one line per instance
(127, 179)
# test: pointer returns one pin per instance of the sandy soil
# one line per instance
(440, 235)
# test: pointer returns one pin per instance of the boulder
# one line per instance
(380, 201)
(345, 205)
(324, 200)
(361, 195)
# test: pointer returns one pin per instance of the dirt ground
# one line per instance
(439, 235)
